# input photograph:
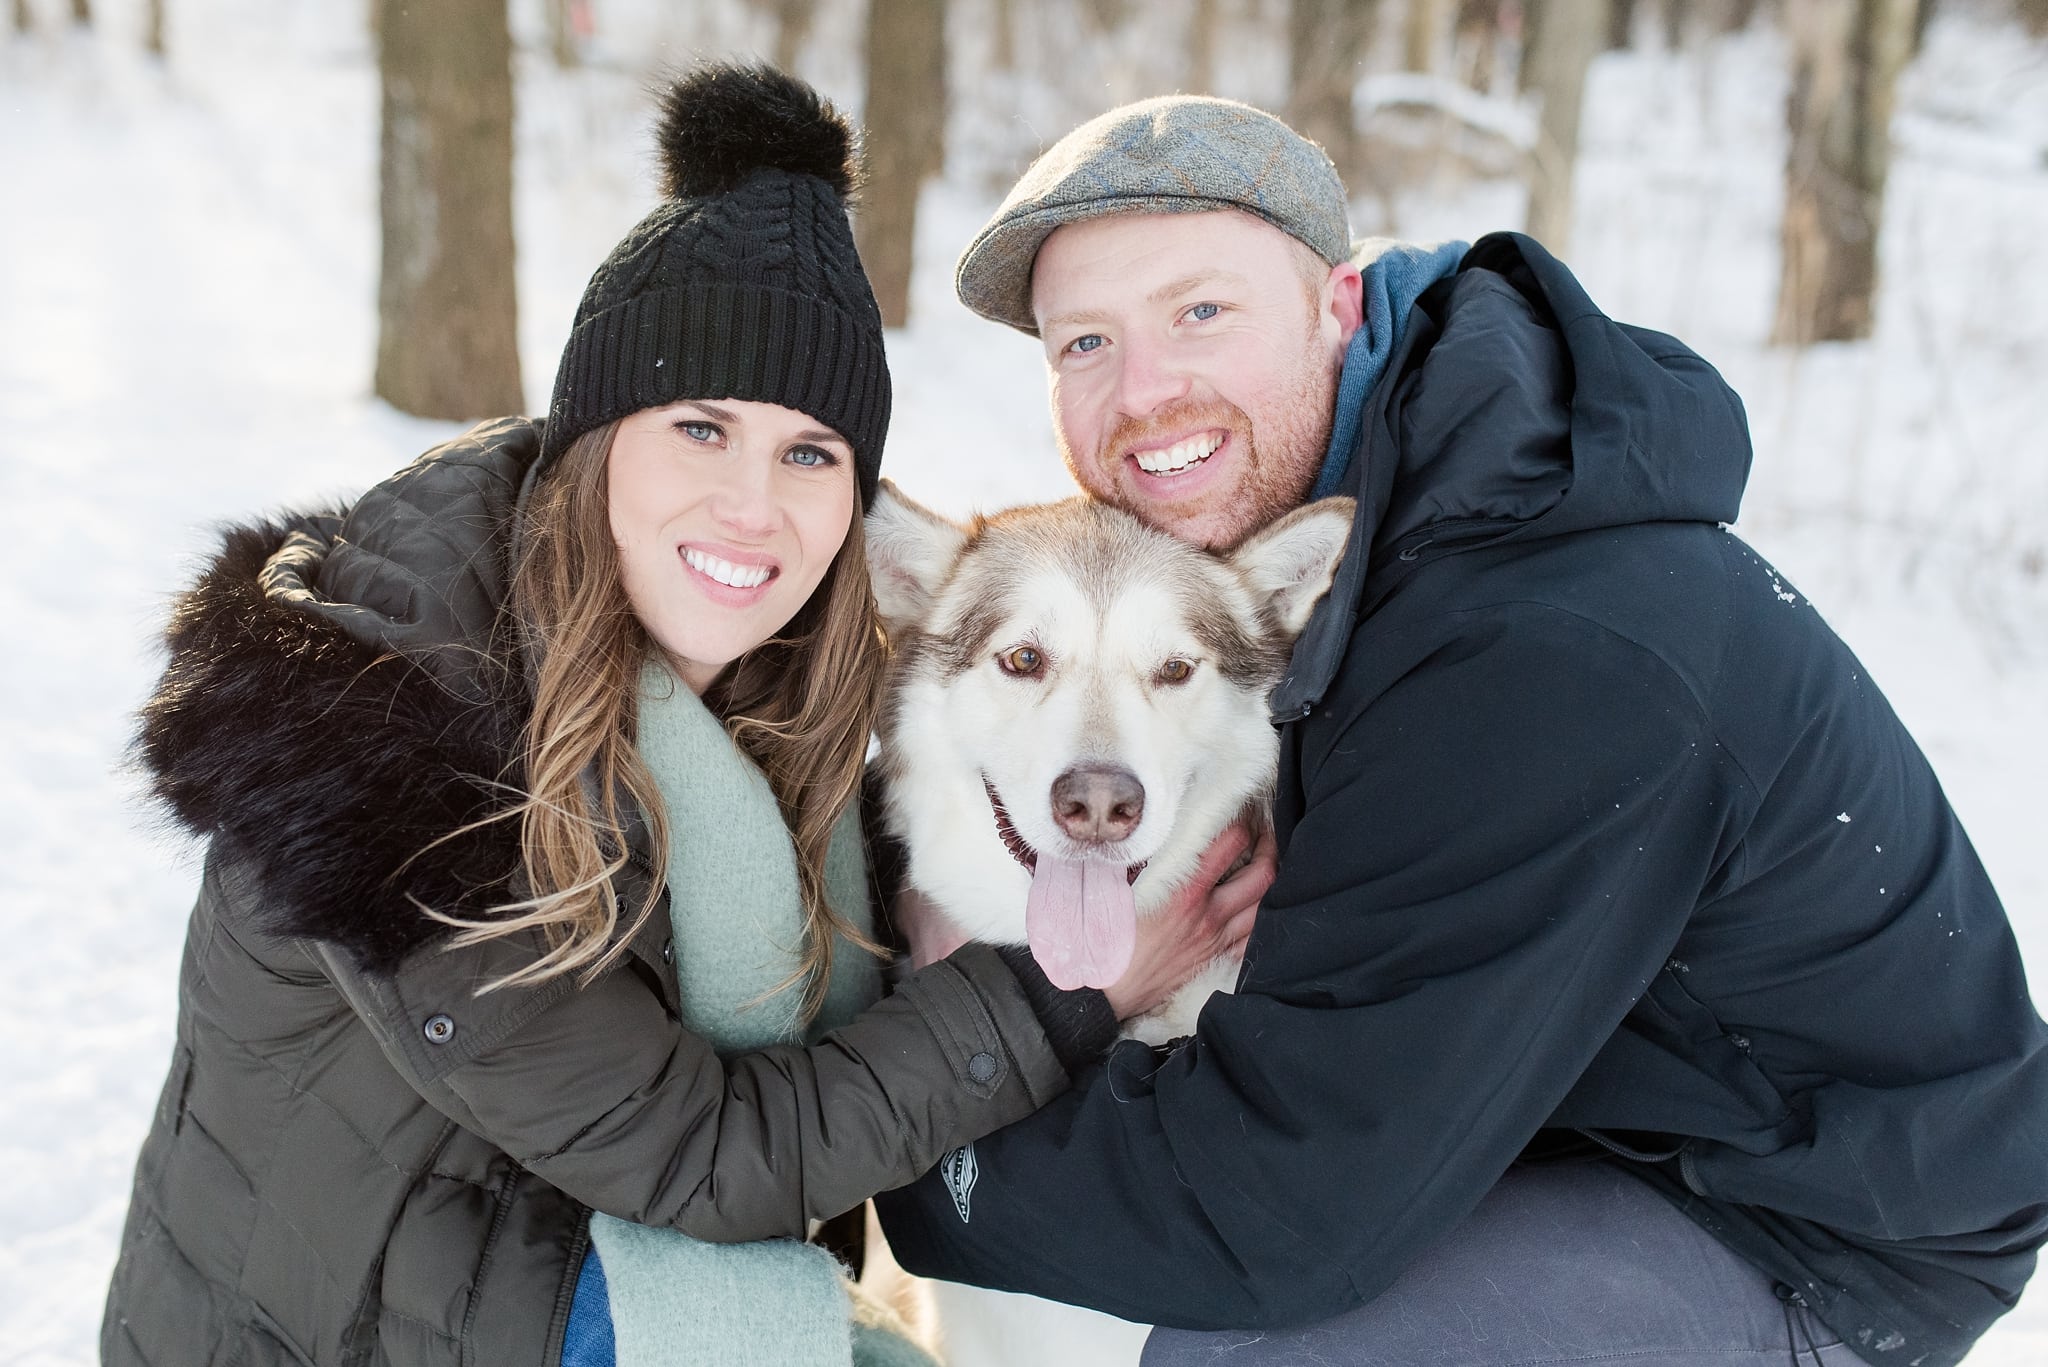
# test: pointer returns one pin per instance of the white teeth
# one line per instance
(1171, 460)
(738, 576)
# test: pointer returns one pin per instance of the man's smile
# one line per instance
(1180, 455)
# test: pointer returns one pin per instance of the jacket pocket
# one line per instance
(1738, 1105)
(440, 1247)
(1673, 1078)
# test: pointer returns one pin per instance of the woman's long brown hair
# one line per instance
(801, 706)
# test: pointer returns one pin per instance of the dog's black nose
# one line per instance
(1097, 804)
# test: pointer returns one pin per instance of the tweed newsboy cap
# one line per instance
(1176, 154)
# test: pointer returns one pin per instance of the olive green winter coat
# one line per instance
(357, 1159)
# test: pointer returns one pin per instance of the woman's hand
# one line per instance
(925, 929)
(1210, 916)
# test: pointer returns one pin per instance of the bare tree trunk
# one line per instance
(23, 20)
(905, 122)
(1565, 36)
(153, 29)
(1670, 22)
(1423, 32)
(1476, 43)
(1202, 46)
(1004, 55)
(1707, 19)
(1846, 58)
(1665, 19)
(81, 11)
(1105, 16)
(447, 335)
(1326, 44)
(2034, 14)
(1621, 24)
(562, 33)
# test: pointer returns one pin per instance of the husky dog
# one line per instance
(1076, 708)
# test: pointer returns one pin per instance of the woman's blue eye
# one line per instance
(1084, 345)
(699, 431)
(812, 457)
(1202, 313)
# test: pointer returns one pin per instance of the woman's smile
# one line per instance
(734, 571)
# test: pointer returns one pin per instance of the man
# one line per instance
(1627, 985)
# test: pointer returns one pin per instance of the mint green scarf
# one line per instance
(738, 923)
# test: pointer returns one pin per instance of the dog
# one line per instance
(1075, 709)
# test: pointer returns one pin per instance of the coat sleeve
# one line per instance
(600, 1091)
(1497, 849)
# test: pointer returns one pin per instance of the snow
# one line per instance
(187, 286)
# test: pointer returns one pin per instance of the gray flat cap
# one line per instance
(1177, 154)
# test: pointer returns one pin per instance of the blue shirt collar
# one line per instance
(1395, 275)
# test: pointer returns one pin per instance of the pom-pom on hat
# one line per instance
(744, 283)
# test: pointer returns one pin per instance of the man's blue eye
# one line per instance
(1086, 344)
(1201, 313)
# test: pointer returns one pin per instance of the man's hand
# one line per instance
(1210, 916)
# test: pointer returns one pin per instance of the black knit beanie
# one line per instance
(744, 283)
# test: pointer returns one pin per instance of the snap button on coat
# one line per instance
(439, 1029)
(668, 951)
(982, 1067)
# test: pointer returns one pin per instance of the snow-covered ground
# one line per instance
(187, 285)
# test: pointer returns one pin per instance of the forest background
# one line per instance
(257, 253)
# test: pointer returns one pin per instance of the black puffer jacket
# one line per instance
(1589, 826)
(356, 1159)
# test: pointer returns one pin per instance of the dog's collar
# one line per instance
(1015, 843)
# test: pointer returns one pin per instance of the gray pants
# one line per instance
(1564, 1263)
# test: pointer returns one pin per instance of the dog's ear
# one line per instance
(1290, 562)
(911, 550)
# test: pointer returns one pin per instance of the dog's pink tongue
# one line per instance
(1082, 919)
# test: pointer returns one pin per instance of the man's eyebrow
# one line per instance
(1071, 319)
(1193, 282)
(1185, 285)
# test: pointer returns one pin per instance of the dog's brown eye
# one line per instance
(1176, 671)
(1023, 661)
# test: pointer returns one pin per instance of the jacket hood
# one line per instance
(1516, 409)
(342, 692)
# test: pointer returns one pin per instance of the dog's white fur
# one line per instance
(1106, 602)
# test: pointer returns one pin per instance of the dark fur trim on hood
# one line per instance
(331, 763)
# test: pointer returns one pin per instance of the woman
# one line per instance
(497, 926)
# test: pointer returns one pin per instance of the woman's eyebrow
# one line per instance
(710, 410)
